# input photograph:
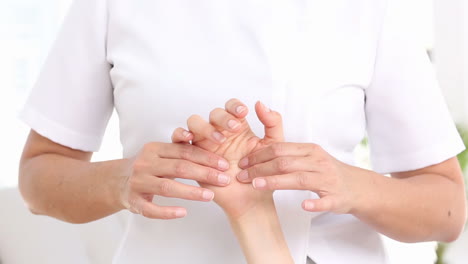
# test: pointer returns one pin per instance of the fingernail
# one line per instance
(244, 162)
(259, 183)
(265, 108)
(222, 164)
(186, 134)
(219, 137)
(208, 195)
(243, 175)
(224, 179)
(240, 109)
(180, 213)
(233, 124)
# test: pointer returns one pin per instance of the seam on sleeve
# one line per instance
(58, 133)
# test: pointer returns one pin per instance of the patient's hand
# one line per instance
(228, 134)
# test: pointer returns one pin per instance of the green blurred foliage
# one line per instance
(463, 157)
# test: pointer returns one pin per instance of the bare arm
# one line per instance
(61, 182)
(421, 205)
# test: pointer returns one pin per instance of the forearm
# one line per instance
(72, 190)
(424, 207)
(260, 235)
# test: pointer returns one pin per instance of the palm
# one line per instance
(237, 198)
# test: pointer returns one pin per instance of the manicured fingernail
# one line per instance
(222, 164)
(259, 183)
(244, 162)
(233, 124)
(208, 195)
(219, 137)
(180, 213)
(186, 134)
(309, 205)
(240, 109)
(224, 179)
(265, 108)
(243, 175)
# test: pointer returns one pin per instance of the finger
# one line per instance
(279, 149)
(291, 181)
(174, 189)
(277, 166)
(151, 210)
(193, 154)
(220, 119)
(236, 108)
(324, 204)
(202, 129)
(181, 135)
(272, 122)
(173, 168)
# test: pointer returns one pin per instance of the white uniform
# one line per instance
(335, 69)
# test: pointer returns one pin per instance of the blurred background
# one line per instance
(27, 30)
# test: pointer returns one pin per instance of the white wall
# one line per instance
(450, 54)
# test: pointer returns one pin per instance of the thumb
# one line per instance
(272, 121)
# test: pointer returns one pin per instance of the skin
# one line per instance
(251, 212)
(421, 205)
(61, 182)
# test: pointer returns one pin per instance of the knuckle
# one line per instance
(149, 147)
(211, 176)
(212, 160)
(277, 149)
(166, 214)
(182, 168)
(253, 172)
(303, 180)
(314, 148)
(139, 166)
(273, 182)
(186, 152)
(282, 165)
(322, 161)
(165, 187)
(252, 160)
(195, 193)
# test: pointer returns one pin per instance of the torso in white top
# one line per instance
(333, 69)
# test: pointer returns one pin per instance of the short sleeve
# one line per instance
(408, 122)
(72, 99)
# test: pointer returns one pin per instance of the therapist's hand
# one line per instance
(152, 172)
(301, 166)
(230, 127)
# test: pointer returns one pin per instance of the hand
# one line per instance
(297, 166)
(153, 170)
(229, 135)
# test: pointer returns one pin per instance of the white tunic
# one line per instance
(335, 69)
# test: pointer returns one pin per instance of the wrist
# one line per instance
(260, 235)
(120, 171)
(364, 190)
